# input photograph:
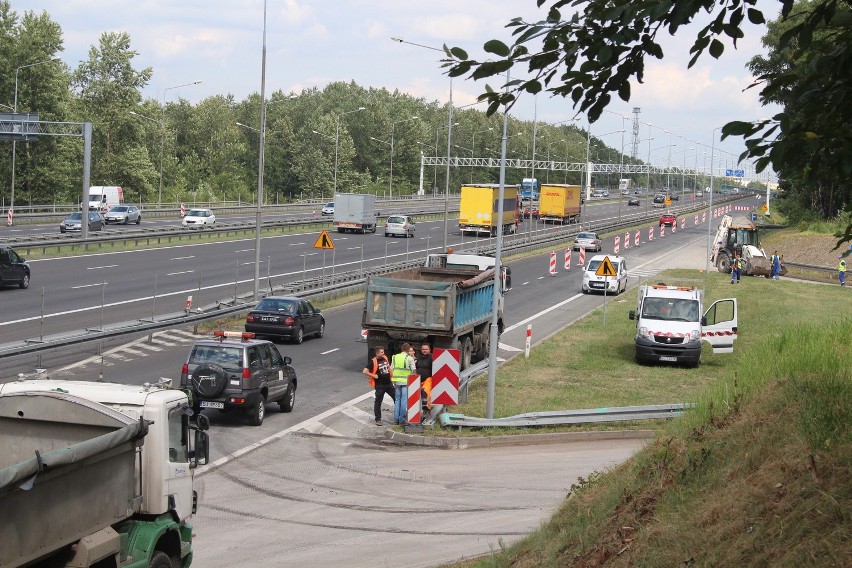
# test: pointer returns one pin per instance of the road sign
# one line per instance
(729, 173)
(739, 173)
(445, 376)
(754, 216)
(324, 241)
(668, 201)
(763, 208)
(606, 268)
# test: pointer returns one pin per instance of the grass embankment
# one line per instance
(759, 474)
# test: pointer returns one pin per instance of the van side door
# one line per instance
(719, 325)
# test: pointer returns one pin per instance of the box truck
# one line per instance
(355, 212)
(102, 197)
(560, 203)
(478, 209)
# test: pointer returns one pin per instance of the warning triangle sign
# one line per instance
(324, 241)
(606, 268)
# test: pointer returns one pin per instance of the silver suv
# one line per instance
(235, 371)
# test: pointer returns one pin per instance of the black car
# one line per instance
(287, 317)
(633, 201)
(674, 197)
(235, 371)
(13, 268)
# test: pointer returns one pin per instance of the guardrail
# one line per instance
(565, 417)
(312, 287)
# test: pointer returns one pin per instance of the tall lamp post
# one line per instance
(710, 206)
(163, 136)
(449, 141)
(15, 111)
(388, 144)
(473, 147)
(337, 144)
(393, 130)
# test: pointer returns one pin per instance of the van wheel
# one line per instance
(289, 401)
(256, 413)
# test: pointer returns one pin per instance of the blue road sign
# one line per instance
(739, 173)
(729, 173)
(754, 216)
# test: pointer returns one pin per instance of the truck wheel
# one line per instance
(256, 414)
(724, 263)
(160, 560)
(466, 353)
(289, 401)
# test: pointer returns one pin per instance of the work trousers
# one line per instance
(381, 391)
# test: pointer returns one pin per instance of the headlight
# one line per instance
(643, 332)
(694, 335)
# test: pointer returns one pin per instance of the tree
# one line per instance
(596, 51)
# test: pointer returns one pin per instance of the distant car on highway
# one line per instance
(674, 197)
(13, 268)
(531, 213)
(199, 217)
(328, 208)
(699, 194)
(73, 222)
(599, 193)
(633, 201)
(589, 241)
(668, 219)
(123, 214)
(286, 317)
(402, 225)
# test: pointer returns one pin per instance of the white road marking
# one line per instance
(182, 257)
(88, 285)
(100, 267)
(505, 347)
(541, 277)
(297, 244)
(525, 283)
(245, 250)
(177, 273)
(330, 351)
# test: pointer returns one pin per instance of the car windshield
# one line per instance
(118, 210)
(74, 217)
(229, 358)
(396, 220)
(670, 309)
(286, 307)
(197, 213)
(329, 204)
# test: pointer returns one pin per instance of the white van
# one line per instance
(102, 197)
(670, 327)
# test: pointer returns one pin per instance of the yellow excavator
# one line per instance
(739, 237)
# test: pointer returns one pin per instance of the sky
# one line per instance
(311, 43)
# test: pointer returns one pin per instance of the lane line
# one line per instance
(330, 351)
(182, 257)
(84, 286)
(245, 250)
(100, 267)
(176, 273)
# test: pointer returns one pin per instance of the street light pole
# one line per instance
(710, 206)
(473, 148)
(393, 128)
(163, 136)
(337, 144)
(15, 111)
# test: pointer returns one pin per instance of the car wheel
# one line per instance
(138, 219)
(209, 380)
(61, 229)
(321, 331)
(257, 412)
(300, 335)
(126, 220)
(289, 401)
(25, 281)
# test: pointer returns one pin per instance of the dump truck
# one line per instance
(478, 209)
(355, 212)
(97, 474)
(560, 203)
(740, 237)
(448, 303)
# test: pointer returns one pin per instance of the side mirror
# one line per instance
(202, 422)
(631, 314)
(317, 310)
(201, 450)
(703, 320)
(287, 360)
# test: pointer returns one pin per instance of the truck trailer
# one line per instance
(560, 203)
(97, 474)
(478, 209)
(355, 212)
(448, 304)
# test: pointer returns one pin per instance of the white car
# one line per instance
(401, 225)
(199, 217)
(614, 284)
(328, 209)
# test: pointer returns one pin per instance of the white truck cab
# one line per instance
(671, 324)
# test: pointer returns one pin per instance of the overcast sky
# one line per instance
(311, 43)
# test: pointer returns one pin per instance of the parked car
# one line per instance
(13, 268)
(328, 208)
(73, 222)
(123, 214)
(613, 284)
(286, 317)
(589, 241)
(236, 371)
(401, 225)
(668, 219)
(199, 217)
(633, 201)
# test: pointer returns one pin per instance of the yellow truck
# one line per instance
(478, 209)
(560, 203)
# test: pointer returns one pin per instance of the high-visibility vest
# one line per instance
(841, 266)
(401, 370)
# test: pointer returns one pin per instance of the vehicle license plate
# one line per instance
(208, 404)
(667, 358)
(597, 284)
(268, 319)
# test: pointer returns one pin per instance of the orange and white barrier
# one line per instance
(582, 260)
(528, 342)
(662, 231)
(567, 259)
(182, 210)
(9, 217)
(414, 411)
(650, 233)
(553, 264)
(683, 223)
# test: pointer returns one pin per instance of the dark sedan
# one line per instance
(13, 268)
(72, 222)
(287, 317)
(633, 201)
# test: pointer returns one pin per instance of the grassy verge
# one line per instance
(760, 474)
